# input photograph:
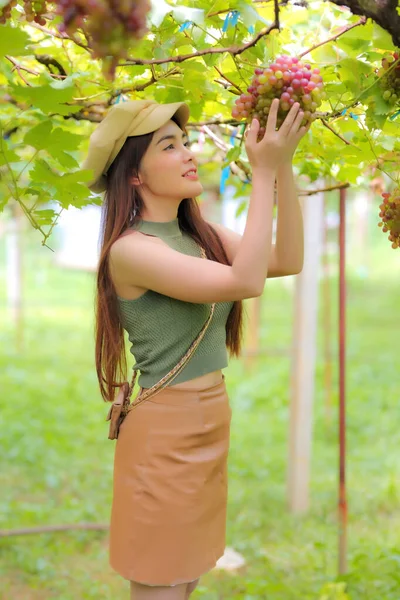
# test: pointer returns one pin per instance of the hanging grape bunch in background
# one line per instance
(34, 11)
(390, 215)
(287, 79)
(390, 78)
(109, 26)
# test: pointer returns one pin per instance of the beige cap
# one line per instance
(134, 117)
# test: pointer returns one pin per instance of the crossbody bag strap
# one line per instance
(157, 387)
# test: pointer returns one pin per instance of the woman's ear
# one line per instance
(135, 180)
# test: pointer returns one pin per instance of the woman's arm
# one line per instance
(289, 247)
(287, 255)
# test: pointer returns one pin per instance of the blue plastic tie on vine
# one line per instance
(224, 176)
(353, 116)
(235, 18)
(251, 29)
(392, 118)
(231, 19)
(344, 111)
(233, 137)
(120, 98)
(185, 25)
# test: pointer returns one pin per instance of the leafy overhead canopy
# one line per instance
(53, 92)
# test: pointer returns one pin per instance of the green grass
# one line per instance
(56, 460)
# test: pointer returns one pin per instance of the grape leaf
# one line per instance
(44, 217)
(13, 41)
(46, 98)
(185, 13)
(381, 38)
(38, 137)
(8, 156)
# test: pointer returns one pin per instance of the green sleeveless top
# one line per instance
(161, 329)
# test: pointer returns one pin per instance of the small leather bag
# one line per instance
(122, 405)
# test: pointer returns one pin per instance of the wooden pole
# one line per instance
(14, 273)
(327, 322)
(342, 388)
(304, 357)
(253, 333)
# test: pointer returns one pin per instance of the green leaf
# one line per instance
(233, 154)
(217, 6)
(185, 13)
(79, 176)
(44, 217)
(351, 68)
(38, 136)
(249, 15)
(47, 98)
(73, 194)
(158, 11)
(67, 140)
(8, 156)
(42, 172)
(65, 160)
(193, 80)
(356, 44)
(388, 143)
(13, 41)
(381, 38)
(196, 110)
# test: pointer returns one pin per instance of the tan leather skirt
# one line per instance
(168, 516)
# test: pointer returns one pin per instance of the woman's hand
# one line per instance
(276, 147)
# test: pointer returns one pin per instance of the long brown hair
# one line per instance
(122, 207)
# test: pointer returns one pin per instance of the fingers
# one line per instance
(303, 130)
(272, 116)
(252, 131)
(296, 123)
(291, 117)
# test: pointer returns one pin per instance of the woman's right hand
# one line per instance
(279, 146)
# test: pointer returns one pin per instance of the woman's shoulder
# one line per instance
(130, 238)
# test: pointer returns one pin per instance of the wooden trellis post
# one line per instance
(304, 356)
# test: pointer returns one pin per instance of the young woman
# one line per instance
(168, 514)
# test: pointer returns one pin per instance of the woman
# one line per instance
(168, 512)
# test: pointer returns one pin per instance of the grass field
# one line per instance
(56, 461)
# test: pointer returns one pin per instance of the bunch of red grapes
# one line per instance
(34, 11)
(287, 79)
(108, 25)
(390, 215)
(390, 81)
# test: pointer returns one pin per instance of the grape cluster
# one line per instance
(389, 82)
(34, 11)
(390, 215)
(287, 79)
(109, 26)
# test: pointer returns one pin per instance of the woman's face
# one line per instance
(165, 163)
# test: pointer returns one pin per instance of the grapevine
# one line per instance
(108, 25)
(390, 215)
(287, 79)
(389, 81)
(34, 11)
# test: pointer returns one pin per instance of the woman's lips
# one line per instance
(191, 176)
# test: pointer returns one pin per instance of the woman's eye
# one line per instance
(188, 144)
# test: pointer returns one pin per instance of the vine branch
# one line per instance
(339, 186)
(234, 50)
(344, 29)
